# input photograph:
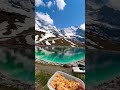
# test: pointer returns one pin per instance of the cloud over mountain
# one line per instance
(44, 17)
(39, 3)
(82, 26)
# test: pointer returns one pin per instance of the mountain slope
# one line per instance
(48, 38)
(74, 33)
(48, 34)
(102, 25)
(17, 22)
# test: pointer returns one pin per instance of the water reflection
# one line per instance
(17, 63)
(101, 66)
(62, 55)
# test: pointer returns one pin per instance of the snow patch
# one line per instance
(47, 43)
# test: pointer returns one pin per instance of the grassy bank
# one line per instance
(44, 72)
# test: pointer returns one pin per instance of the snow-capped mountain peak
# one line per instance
(48, 34)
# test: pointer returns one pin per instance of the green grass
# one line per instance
(42, 78)
(80, 76)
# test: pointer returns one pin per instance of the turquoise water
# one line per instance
(62, 55)
(17, 63)
(102, 66)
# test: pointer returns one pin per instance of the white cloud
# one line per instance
(82, 26)
(114, 4)
(60, 4)
(39, 3)
(49, 4)
(54, 2)
(44, 17)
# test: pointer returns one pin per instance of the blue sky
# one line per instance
(64, 13)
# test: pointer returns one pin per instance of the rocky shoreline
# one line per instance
(108, 85)
(58, 64)
(9, 82)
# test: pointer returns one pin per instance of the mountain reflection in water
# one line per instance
(17, 63)
(62, 55)
(101, 66)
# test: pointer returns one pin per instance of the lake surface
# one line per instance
(18, 63)
(101, 66)
(62, 55)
